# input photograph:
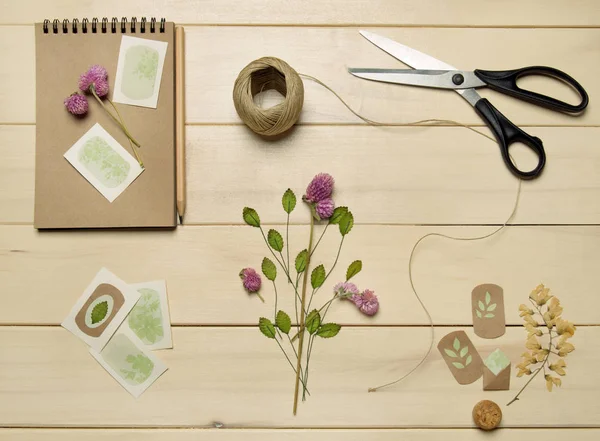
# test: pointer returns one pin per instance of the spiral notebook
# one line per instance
(63, 198)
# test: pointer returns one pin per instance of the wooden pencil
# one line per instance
(180, 120)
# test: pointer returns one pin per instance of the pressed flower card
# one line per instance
(129, 362)
(149, 319)
(139, 71)
(487, 308)
(101, 309)
(462, 358)
(103, 162)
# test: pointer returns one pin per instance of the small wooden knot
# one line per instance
(487, 415)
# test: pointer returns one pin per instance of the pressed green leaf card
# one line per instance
(461, 357)
(128, 360)
(103, 162)
(149, 319)
(139, 71)
(487, 306)
(101, 309)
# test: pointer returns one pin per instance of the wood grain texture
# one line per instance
(44, 273)
(292, 434)
(314, 12)
(407, 175)
(326, 53)
(239, 378)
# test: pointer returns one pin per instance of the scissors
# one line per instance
(430, 72)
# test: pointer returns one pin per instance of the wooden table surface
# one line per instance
(401, 183)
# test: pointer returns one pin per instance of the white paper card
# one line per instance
(129, 362)
(100, 159)
(139, 71)
(101, 309)
(149, 319)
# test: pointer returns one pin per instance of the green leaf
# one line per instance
(329, 330)
(478, 313)
(481, 305)
(269, 269)
(491, 307)
(313, 321)
(450, 353)
(288, 201)
(489, 315)
(464, 351)
(353, 269)
(458, 365)
(337, 215)
(456, 344)
(301, 260)
(99, 312)
(251, 217)
(469, 360)
(488, 297)
(275, 240)
(346, 223)
(283, 322)
(317, 278)
(266, 327)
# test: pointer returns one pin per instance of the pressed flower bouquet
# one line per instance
(296, 339)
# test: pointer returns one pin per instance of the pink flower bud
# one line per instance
(250, 279)
(324, 208)
(321, 187)
(76, 104)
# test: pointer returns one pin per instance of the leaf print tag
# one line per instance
(149, 319)
(462, 358)
(100, 159)
(139, 71)
(129, 362)
(487, 305)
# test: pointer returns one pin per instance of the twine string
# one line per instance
(273, 73)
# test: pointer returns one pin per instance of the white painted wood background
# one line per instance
(400, 182)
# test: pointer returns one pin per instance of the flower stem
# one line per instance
(275, 288)
(303, 315)
(287, 243)
(291, 364)
(93, 90)
(321, 237)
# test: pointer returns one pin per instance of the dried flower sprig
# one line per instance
(544, 320)
(309, 323)
(95, 82)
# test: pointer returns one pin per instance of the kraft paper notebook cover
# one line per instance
(63, 197)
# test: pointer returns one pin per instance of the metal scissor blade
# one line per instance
(417, 60)
(441, 79)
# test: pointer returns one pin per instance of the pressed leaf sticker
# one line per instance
(288, 201)
(313, 321)
(301, 260)
(275, 240)
(251, 217)
(485, 310)
(99, 312)
(337, 215)
(269, 269)
(328, 330)
(354, 268)
(266, 327)
(317, 278)
(283, 322)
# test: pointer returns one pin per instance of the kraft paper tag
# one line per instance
(462, 358)
(496, 371)
(487, 306)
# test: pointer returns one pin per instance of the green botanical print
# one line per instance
(139, 73)
(459, 354)
(145, 318)
(497, 361)
(485, 311)
(127, 360)
(99, 312)
(104, 162)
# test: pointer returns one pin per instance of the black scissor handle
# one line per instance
(507, 133)
(506, 82)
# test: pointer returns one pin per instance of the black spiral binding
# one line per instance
(83, 26)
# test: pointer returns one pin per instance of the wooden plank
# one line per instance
(44, 273)
(326, 53)
(239, 378)
(379, 12)
(406, 175)
(291, 434)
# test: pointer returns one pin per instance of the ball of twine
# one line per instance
(264, 74)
